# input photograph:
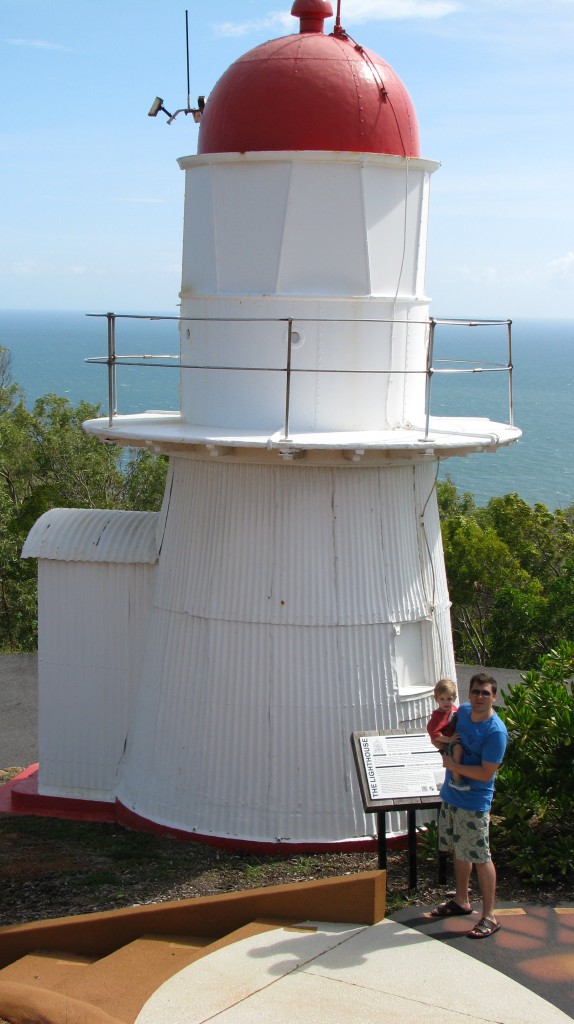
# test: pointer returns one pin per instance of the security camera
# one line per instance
(198, 112)
(155, 107)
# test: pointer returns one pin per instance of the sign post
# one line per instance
(398, 771)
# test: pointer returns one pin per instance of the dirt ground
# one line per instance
(53, 868)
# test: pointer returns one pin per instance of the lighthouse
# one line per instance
(292, 589)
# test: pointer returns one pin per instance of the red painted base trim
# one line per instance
(366, 845)
(7, 788)
(21, 796)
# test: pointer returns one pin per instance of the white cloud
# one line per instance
(562, 268)
(515, 284)
(26, 268)
(37, 44)
(134, 199)
(393, 10)
(479, 276)
(34, 268)
(527, 6)
(352, 11)
(273, 21)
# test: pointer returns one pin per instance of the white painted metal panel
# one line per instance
(199, 271)
(324, 245)
(251, 343)
(249, 244)
(245, 750)
(339, 345)
(330, 204)
(362, 396)
(294, 545)
(361, 575)
(94, 535)
(221, 397)
(259, 548)
(305, 225)
(92, 623)
(430, 538)
(271, 641)
(393, 217)
(407, 379)
(362, 375)
(195, 726)
(415, 360)
(399, 516)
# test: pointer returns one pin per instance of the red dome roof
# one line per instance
(310, 91)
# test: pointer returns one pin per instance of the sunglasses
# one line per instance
(481, 693)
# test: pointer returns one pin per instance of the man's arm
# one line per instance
(481, 772)
(440, 740)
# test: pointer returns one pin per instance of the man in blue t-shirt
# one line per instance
(464, 816)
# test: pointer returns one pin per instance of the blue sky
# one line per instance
(92, 198)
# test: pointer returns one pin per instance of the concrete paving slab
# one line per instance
(391, 960)
(308, 999)
(232, 974)
(18, 710)
(535, 945)
(388, 973)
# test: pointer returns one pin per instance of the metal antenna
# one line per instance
(196, 112)
(187, 56)
(338, 31)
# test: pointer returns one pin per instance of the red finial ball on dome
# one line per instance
(312, 14)
(310, 91)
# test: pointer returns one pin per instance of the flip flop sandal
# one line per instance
(483, 929)
(450, 909)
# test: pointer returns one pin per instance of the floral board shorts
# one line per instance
(464, 833)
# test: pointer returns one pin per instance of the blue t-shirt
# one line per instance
(481, 741)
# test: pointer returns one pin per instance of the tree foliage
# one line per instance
(48, 461)
(534, 795)
(510, 570)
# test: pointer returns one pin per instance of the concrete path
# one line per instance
(386, 974)
(18, 710)
(535, 945)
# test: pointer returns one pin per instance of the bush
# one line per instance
(534, 797)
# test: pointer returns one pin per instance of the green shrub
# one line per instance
(427, 845)
(534, 797)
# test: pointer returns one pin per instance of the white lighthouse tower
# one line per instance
(294, 587)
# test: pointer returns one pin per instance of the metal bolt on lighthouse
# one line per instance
(292, 589)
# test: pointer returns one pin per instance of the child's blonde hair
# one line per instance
(444, 686)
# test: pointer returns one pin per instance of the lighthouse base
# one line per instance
(206, 666)
(20, 796)
(292, 605)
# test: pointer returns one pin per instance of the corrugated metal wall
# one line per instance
(92, 625)
(94, 535)
(288, 545)
(272, 640)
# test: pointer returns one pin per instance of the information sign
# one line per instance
(397, 767)
(399, 771)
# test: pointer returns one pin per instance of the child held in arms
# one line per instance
(441, 727)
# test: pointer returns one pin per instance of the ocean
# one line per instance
(49, 350)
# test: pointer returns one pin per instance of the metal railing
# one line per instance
(113, 359)
(488, 368)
